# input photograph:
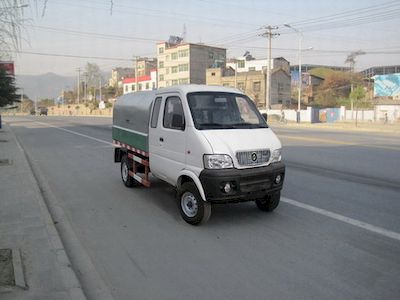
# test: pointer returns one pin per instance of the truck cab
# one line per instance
(212, 144)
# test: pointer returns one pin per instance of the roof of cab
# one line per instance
(190, 88)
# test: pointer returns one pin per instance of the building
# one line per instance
(145, 66)
(382, 70)
(145, 83)
(253, 84)
(387, 109)
(118, 74)
(244, 65)
(307, 67)
(8, 66)
(186, 62)
(309, 86)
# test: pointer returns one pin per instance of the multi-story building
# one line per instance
(253, 84)
(144, 83)
(186, 63)
(244, 65)
(145, 66)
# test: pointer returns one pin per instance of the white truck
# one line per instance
(209, 142)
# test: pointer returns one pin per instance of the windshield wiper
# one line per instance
(249, 125)
(215, 126)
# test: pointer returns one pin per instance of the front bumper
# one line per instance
(247, 184)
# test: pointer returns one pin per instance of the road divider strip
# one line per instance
(344, 219)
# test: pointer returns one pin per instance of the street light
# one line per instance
(300, 79)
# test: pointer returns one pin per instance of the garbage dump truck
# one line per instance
(209, 142)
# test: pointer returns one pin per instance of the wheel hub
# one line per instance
(189, 204)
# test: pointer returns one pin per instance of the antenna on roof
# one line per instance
(184, 33)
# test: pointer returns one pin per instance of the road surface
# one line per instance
(335, 235)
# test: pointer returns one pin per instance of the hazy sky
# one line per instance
(121, 29)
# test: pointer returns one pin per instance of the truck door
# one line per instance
(167, 140)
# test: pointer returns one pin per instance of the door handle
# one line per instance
(161, 139)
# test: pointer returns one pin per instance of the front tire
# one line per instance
(126, 166)
(194, 210)
(269, 202)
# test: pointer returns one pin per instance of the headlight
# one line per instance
(217, 161)
(276, 156)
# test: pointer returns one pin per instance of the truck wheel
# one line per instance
(125, 168)
(270, 202)
(193, 208)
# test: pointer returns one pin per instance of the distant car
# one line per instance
(42, 111)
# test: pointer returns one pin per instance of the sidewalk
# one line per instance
(392, 128)
(26, 225)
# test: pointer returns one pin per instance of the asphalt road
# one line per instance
(336, 234)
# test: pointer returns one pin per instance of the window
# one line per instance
(133, 87)
(256, 86)
(161, 50)
(140, 87)
(240, 86)
(183, 81)
(174, 82)
(213, 74)
(183, 53)
(174, 56)
(156, 111)
(225, 84)
(183, 68)
(167, 70)
(153, 86)
(240, 63)
(173, 112)
(161, 77)
(147, 85)
(210, 55)
(126, 88)
(161, 64)
(174, 69)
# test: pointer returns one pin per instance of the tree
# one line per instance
(8, 90)
(93, 75)
(336, 86)
(357, 96)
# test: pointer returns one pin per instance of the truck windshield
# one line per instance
(217, 110)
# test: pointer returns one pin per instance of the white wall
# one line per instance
(291, 114)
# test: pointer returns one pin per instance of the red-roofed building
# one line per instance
(145, 83)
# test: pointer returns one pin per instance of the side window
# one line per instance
(173, 114)
(156, 111)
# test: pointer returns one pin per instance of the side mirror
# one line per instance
(265, 116)
(177, 122)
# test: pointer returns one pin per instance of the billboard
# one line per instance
(8, 65)
(387, 85)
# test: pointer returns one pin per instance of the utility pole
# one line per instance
(22, 97)
(268, 34)
(100, 95)
(79, 82)
(236, 66)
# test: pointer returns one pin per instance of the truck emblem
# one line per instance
(254, 156)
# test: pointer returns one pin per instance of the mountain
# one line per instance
(43, 86)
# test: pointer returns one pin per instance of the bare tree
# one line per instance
(11, 24)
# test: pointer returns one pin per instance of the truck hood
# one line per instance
(230, 141)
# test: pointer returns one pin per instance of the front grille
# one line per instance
(253, 158)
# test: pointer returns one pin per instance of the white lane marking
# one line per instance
(76, 133)
(351, 221)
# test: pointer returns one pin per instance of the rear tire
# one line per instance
(194, 210)
(126, 166)
(269, 202)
